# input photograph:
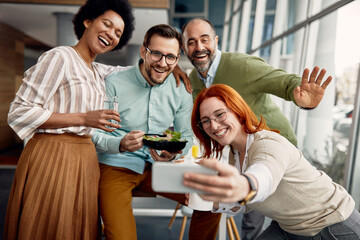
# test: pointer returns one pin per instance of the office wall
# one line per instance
(11, 73)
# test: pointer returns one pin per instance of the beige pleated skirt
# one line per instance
(55, 190)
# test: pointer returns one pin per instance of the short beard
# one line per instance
(202, 66)
(148, 72)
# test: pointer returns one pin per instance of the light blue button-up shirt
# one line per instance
(151, 109)
(212, 70)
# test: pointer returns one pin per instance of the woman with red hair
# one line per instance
(270, 175)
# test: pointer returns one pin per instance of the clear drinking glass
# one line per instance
(112, 104)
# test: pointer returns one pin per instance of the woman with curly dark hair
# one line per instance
(55, 189)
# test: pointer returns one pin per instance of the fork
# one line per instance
(155, 134)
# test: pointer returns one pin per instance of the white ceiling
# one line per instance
(39, 22)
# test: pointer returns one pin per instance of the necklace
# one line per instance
(89, 66)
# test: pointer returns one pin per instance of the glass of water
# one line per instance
(112, 104)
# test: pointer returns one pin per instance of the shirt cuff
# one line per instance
(114, 144)
(230, 209)
(264, 180)
(105, 143)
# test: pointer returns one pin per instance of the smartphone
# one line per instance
(168, 176)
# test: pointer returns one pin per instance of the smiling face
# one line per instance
(200, 44)
(226, 132)
(104, 32)
(155, 72)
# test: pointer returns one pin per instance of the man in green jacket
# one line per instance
(250, 76)
(255, 81)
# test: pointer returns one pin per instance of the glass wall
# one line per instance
(251, 26)
(189, 6)
(268, 27)
(346, 105)
(184, 10)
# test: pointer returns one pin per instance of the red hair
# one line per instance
(238, 106)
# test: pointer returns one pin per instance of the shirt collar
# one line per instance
(249, 140)
(140, 78)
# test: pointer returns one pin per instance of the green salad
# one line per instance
(171, 136)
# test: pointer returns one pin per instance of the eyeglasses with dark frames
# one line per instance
(157, 56)
(219, 117)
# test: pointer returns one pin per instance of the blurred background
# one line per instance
(288, 34)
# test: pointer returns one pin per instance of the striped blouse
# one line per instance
(60, 82)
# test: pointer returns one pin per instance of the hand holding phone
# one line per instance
(168, 176)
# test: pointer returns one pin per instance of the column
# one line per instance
(65, 35)
(132, 54)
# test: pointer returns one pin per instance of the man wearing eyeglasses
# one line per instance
(149, 102)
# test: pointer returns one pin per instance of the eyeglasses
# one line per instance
(157, 56)
(219, 117)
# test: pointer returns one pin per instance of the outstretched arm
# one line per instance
(179, 73)
(311, 91)
(227, 186)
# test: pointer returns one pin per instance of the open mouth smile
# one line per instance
(201, 55)
(159, 70)
(221, 132)
(104, 41)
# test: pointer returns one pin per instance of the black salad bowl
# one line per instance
(165, 145)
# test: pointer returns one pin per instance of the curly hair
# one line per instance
(94, 8)
(238, 106)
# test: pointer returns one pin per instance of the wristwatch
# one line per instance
(252, 192)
